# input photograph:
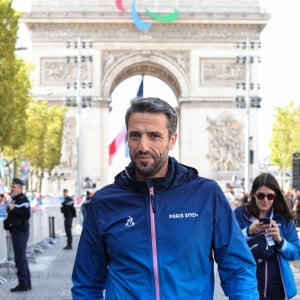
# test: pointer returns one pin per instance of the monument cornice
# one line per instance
(118, 17)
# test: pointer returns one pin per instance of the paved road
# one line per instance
(51, 274)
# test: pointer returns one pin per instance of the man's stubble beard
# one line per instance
(148, 171)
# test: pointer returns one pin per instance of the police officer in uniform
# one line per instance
(69, 213)
(19, 213)
(85, 204)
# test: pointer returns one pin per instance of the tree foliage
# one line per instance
(43, 140)
(44, 135)
(15, 82)
(30, 130)
(285, 135)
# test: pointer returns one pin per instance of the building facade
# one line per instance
(195, 54)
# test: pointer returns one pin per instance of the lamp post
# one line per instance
(78, 101)
(78, 85)
(247, 102)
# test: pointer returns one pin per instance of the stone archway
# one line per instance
(169, 68)
(195, 56)
(164, 67)
(139, 65)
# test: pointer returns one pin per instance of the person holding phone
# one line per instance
(268, 220)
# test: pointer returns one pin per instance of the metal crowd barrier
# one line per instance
(46, 223)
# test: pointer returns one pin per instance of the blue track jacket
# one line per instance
(158, 239)
(289, 251)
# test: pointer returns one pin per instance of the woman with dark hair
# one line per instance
(269, 228)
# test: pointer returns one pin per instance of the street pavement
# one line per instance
(51, 270)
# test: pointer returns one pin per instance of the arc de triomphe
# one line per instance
(195, 55)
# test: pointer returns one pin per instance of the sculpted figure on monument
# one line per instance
(69, 157)
(225, 143)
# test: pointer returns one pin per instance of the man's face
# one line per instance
(149, 144)
(16, 189)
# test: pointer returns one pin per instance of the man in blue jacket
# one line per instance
(155, 233)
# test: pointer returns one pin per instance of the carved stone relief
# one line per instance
(149, 69)
(69, 151)
(127, 32)
(109, 58)
(56, 71)
(179, 58)
(221, 72)
(225, 143)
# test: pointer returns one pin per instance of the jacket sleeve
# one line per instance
(236, 266)
(290, 249)
(90, 267)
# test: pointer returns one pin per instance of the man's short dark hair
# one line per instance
(154, 105)
(18, 181)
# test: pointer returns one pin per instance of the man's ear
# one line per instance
(173, 140)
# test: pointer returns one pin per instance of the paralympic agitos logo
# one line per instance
(146, 25)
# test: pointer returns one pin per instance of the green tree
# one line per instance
(285, 135)
(44, 137)
(15, 84)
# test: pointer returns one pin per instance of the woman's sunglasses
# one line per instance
(262, 196)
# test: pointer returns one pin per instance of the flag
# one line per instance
(116, 143)
(122, 135)
(140, 92)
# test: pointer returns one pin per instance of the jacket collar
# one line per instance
(176, 175)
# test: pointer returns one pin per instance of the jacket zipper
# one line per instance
(285, 295)
(153, 240)
(266, 279)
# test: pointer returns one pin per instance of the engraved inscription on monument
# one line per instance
(221, 72)
(56, 71)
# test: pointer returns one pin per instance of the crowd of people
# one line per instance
(35, 199)
(237, 196)
(16, 208)
(158, 230)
